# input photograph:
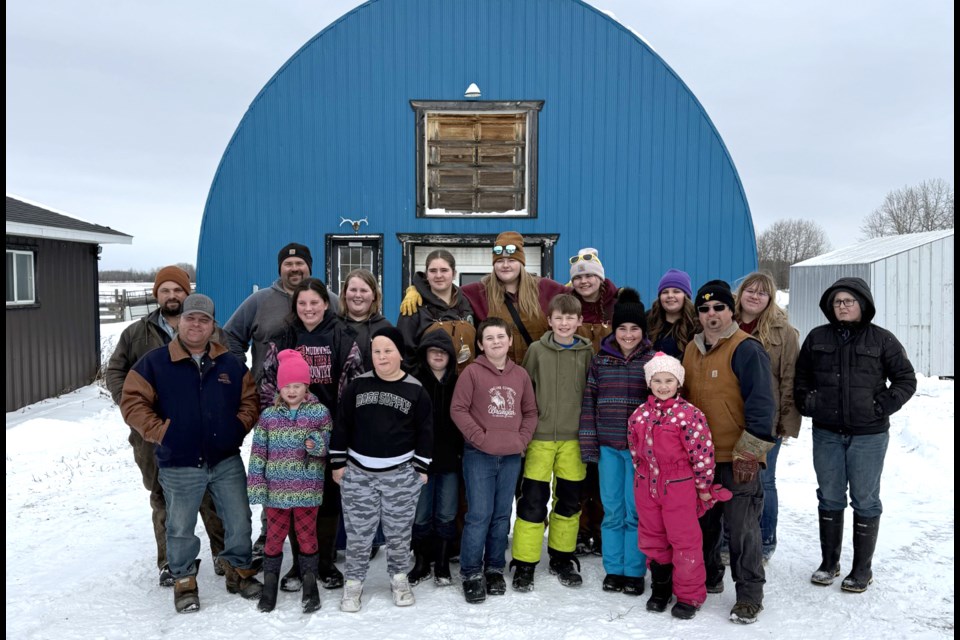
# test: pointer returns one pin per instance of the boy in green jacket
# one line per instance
(557, 365)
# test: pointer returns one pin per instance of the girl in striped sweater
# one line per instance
(290, 444)
(615, 387)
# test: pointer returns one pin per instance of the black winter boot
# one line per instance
(310, 600)
(327, 572)
(831, 541)
(441, 566)
(271, 581)
(661, 586)
(523, 575)
(474, 590)
(562, 566)
(633, 585)
(864, 543)
(421, 566)
(683, 610)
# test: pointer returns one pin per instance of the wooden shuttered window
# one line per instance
(477, 157)
(476, 162)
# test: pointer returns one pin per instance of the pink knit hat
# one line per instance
(293, 368)
(662, 363)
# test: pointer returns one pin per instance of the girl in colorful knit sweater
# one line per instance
(290, 443)
(615, 386)
(672, 450)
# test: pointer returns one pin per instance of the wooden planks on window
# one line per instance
(476, 162)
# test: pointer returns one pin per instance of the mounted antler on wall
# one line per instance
(354, 223)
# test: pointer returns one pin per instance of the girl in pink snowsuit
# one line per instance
(672, 450)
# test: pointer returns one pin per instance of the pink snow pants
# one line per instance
(669, 532)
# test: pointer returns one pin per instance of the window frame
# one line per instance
(422, 108)
(23, 303)
(335, 240)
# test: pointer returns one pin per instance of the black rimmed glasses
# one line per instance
(716, 308)
(504, 250)
(845, 302)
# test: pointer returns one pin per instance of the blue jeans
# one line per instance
(437, 508)
(857, 461)
(490, 482)
(768, 518)
(621, 553)
(183, 488)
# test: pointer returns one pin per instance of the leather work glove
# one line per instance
(746, 457)
(412, 300)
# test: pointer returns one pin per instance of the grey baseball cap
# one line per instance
(198, 303)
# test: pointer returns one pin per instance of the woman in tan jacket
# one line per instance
(758, 315)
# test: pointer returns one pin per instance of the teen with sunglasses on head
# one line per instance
(513, 294)
(510, 293)
(596, 294)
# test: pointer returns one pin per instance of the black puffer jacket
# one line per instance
(844, 368)
(447, 439)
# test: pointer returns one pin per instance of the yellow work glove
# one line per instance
(412, 300)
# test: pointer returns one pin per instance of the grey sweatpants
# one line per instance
(369, 498)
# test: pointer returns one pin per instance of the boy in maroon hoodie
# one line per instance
(495, 408)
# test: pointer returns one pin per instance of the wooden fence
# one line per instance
(124, 305)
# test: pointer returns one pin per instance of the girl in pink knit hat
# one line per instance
(672, 450)
(287, 463)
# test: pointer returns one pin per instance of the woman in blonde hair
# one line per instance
(758, 315)
(514, 295)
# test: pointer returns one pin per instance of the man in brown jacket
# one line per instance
(728, 378)
(170, 288)
(197, 404)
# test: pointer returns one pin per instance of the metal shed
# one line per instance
(53, 318)
(411, 125)
(911, 277)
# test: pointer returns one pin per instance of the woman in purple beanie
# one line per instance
(672, 321)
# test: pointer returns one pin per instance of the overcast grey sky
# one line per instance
(118, 112)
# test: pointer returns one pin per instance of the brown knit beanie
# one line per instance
(171, 274)
(510, 238)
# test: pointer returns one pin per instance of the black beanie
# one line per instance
(394, 335)
(715, 290)
(294, 250)
(628, 308)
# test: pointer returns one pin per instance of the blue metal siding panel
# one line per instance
(628, 160)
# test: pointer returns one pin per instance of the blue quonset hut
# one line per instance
(369, 146)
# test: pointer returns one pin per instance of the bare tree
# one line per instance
(927, 206)
(788, 242)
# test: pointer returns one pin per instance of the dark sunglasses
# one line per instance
(587, 257)
(717, 308)
(507, 250)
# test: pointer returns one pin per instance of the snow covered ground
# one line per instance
(80, 553)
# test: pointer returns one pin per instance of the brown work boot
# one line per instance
(242, 581)
(186, 596)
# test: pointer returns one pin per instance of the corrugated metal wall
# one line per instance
(629, 162)
(913, 291)
(53, 347)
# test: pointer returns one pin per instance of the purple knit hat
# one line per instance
(676, 279)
